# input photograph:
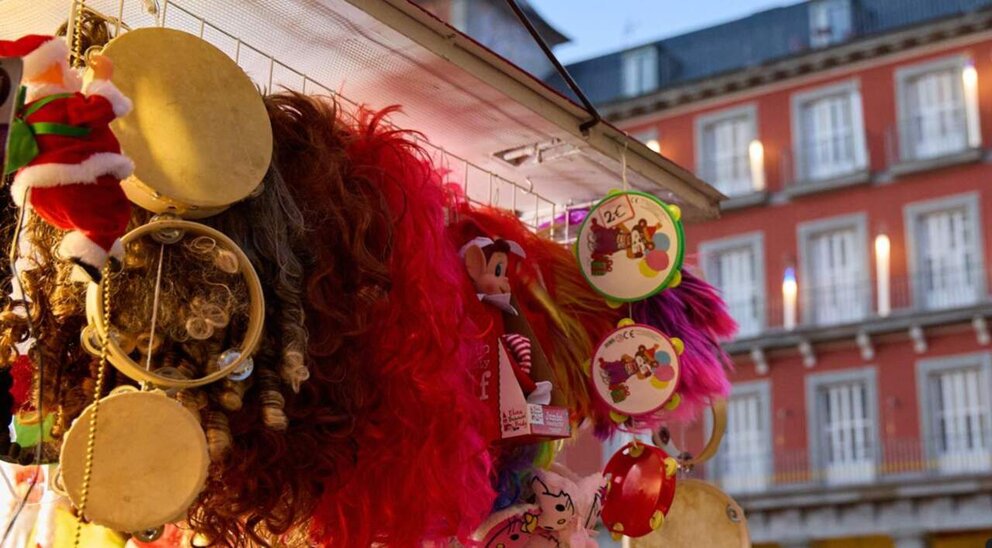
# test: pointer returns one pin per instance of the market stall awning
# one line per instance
(493, 121)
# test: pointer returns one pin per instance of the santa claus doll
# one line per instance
(67, 163)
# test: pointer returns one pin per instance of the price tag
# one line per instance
(615, 211)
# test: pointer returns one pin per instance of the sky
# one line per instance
(602, 26)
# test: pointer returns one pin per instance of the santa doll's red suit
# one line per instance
(74, 179)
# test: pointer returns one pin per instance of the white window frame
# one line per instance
(459, 15)
(926, 370)
(759, 477)
(646, 81)
(648, 137)
(815, 383)
(852, 89)
(903, 76)
(807, 231)
(912, 213)
(710, 250)
(820, 7)
(704, 165)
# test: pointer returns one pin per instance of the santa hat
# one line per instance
(38, 52)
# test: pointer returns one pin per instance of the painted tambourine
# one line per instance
(199, 133)
(630, 246)
(635, 369)
(149, 461)
(640, 489)
(701, 515)
(96, 331)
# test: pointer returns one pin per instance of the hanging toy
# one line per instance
(512, 359)
(62, 150)
(569, 505)
(136, 430)
(515, 527)
(630, 246)
(702, 511)
(635, 370)
(640, 489)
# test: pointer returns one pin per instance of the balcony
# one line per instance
(937, 139)
(901, 463)
(938, 295)
(741, 177)
(826, 163)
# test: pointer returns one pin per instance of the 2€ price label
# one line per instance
(616, 210)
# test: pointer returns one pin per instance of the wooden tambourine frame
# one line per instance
(120, 359)
(199, 134)
(150, 461)
(718, 413)
(701, 515)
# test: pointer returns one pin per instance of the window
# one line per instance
(843, 430)
(736, 267)
(640, 71)
(935, 118)
(834, 280)
(828, 133)
(946, 252)
(745, 456)
(829, 22)
(722, 142)
(459, 15)
(954, 395)
(650, 138)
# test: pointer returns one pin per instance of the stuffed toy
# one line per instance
(62, 150)
(487, 262)
(564, 512)
(569, 505)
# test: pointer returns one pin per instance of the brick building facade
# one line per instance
(852, 139)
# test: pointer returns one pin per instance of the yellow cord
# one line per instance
(84, 490)
(77, 35)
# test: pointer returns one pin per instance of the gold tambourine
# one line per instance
(123, 362)
(199, 133)
(718, 414)
(701, 515)
(149, 461)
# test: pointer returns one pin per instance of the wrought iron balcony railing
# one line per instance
(854, 301)
(893, 460)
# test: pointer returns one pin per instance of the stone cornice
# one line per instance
(803, 64)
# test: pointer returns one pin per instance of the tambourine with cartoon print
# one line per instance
(635, 369)
(631, 246)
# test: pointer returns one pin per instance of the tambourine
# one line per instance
(640, 489)
(701, 515)
(631, 246)
(635, 369)
(149, 461)
(718, 414)
(120, 359)
(199, 134)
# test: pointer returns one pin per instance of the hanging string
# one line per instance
(155, 303)
(623, 166)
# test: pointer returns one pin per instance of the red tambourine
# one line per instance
(640, 490)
